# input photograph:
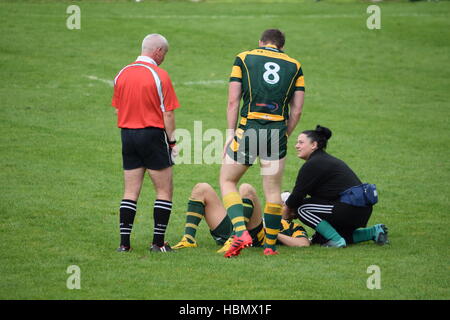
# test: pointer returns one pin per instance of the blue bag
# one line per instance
(360, 196)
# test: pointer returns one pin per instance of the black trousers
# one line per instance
(343, 217)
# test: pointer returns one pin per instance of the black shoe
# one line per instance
(124, 249)
(164, 248)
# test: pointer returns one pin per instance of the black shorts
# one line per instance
(147, 147)
(267, 141)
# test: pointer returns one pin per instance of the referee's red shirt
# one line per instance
(142, 92)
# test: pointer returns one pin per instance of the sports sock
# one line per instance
(235, 210)
(161, 215)
(127, 212)
(194, 214)
(364, 234)
(272, 220)
(328, 232)
(248, 209)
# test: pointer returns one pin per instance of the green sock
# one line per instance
(248, 209)
(235, 210)
(363, 234)
(272, 219)
(328, 232)
(194, 214)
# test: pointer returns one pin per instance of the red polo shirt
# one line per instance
(142, 92)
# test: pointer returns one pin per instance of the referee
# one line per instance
(145, 101)
(324, 177)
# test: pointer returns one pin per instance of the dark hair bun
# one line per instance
(323, 131)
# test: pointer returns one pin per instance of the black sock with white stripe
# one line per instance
(161, 215)
(127, 214)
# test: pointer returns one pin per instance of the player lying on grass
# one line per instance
(204, 202)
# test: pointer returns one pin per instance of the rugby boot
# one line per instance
(164, 248)
(335, 244)
(226, 245)
(184, 243)
(124, 249)
(270, 252)
(238, 244)
(381, 234)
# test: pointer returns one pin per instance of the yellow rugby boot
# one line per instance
(226, 245)
(185, 243)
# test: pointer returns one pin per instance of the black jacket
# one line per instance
(322, 176)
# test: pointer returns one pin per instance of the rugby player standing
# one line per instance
(268, 81)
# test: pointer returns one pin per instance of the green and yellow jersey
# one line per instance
(287, 228)
(293, 230)
(269, 78)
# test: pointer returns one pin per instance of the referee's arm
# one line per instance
(169, 124)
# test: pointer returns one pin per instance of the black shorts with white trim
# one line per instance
(147, 147)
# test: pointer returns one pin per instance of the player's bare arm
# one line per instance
(293, 242)
(234, 98)
(296, 107)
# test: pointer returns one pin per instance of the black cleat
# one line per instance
(164, 248)
(124, 249)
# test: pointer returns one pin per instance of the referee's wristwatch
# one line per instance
(172, 143)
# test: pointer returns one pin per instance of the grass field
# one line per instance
(384, 93)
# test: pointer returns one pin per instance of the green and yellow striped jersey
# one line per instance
(269, 77)
(293, 230)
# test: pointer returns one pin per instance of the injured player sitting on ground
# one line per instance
(205, 203)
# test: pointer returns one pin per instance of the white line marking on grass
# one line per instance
(110, 82)
(203, 82)
(299, 16)
(217, 17)
(189, 17)
(187, 83)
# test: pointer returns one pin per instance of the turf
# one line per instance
(384, 93)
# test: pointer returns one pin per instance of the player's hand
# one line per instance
(287, 213)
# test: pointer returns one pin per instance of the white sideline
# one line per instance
(110, 82)
(187, 83)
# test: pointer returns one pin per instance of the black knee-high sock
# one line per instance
(127, 214)
(161, 215)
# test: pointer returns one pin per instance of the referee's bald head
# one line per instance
(155, 46)
(154, 41)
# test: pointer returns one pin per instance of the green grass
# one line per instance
(384, 93)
